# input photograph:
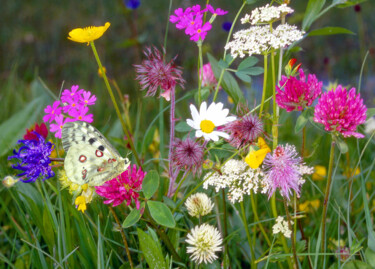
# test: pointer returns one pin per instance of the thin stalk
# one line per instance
(123, 236)
(248, 235)
(292, 235)
(167, 27)
(225, 226)
(184, 176)
(303, 141)
(275, 131)
(200, 68)
(115, 104)
(326, 197)
(172, 178)
(264, 85)
(57, 159)
(256, 217)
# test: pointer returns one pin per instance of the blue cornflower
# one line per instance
(132, 4)
(35, 161)
(226, 26)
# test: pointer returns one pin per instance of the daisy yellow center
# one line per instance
(207, 126)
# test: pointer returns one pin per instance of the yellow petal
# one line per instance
(255, 158)
(88, 34)
(80, 202)
(262, 144)
(320, 172)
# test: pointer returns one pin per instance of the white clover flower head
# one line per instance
(282, 226)
(199, 204)
(206, 121)
(204, 241)
(370, 126)
(238, 178)
(267, 14)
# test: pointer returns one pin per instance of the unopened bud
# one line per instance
(9, 181)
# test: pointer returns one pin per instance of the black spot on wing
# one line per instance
(92, 140)
(101, 148)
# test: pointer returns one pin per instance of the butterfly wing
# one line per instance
(90, 157)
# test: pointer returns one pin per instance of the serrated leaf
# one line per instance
(248, 62)
(330, 31)
(132, 218)
(150, 184)
(152, 253)
(228, 59)
(161, 214)
(243, 76)
(341, 145)
(301, 121)
(182, 127)
(370, 112)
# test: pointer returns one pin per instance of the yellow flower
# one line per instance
(100, 71)
(88, 34)
(80, 202)
(309, 205)
(66, 183)
(320, 172)
(255, 157)
(349, 172)
(9, 181)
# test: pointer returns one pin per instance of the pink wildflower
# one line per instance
(200, 31)
(80, 114)
(67, 95)
(217, 11)
(88, 99)
(124, 187)
(52, 111)
(341, 111)
(294, 94)
(58, 127)
(187, 154)
(208, 78)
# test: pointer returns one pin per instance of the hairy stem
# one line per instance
(172, 177)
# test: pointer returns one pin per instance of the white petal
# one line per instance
(213, 136)
(203, 110)
(223, 134)
(191, 123)
(231, 118)
(199, 133)
(194, 113)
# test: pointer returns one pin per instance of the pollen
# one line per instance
(207, 126)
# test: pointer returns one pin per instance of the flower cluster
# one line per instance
(341, 111)
(282, 226)
(260, 39)
(191, 19)
(283, 169)
(294, 94)
(266, 14)
(199, 204)
(124, 187)
(154, 72)
(204, 241)
(35, 162)
(72, 107)
(238, 178)
(187, 154)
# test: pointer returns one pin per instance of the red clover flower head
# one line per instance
(341, 111)
(187, 154)
(154, 72)
(124, 187)
(40, 129)
(294, 94)
(244, 131)
(34, 156)
(283, 169)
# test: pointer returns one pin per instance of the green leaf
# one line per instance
(250, 2)
(312, 12)
(370, 257)
(356, 265)
(370, 112)
(229, 84)
(153, 255)
(330, 31)
(161, 214)
(243, 76)
(133, 217)
(182, 127)
(150, 184)
(348, 3)
(148, 139)
(301, 121)
(253, 71)
(205, 92)
(223, 64)
(342, 146)
(248, 62)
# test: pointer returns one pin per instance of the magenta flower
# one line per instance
(208, 78)
(341, 111)
(187, 155)
(124, 187)
(80, 114)
(58, 126)
(200, 31)
(217, 11)
(294, 94)
(88, 99)
(52, 111)
(154, 72)
(67, 95)
(244, 131)
(283, 169)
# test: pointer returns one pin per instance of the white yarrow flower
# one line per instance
(199, 204)
(282, 226)
(206, 121)
(267, 14)
(204, 241)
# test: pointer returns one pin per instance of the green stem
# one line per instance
(115, 104)
(275, 131)
(256, 217)
(200, 74)
(248, 235)
(184, 176)
(264, 84)
(326, 197)
(292, 235)
(225, 226)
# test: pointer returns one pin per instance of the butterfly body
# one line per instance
(90, 158)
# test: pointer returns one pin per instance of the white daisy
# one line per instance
(204, 241)
(208, 119)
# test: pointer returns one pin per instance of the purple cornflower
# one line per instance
(244, 131)
(132, 4)
(34, 155)
(124, 187)
(341, 111)
(283, 169)
(52, 111)
(294, 94)
(187, 154)
(154, 72)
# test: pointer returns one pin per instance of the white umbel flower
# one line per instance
(206, 121)
(204, 241)
(282, 226)
(266, 14)
(199, 204)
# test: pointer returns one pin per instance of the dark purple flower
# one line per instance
(34, 156)
(132, 4)
(187, 155)
(154, 72)
(226, 26)
(244, 131)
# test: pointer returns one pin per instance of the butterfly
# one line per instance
(90, 158)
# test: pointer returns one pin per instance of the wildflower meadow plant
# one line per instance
(226, 160)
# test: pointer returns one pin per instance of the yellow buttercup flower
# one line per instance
(255, 157)
(88, 34)
(309, 206)
(320, 172)
(80, 202)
